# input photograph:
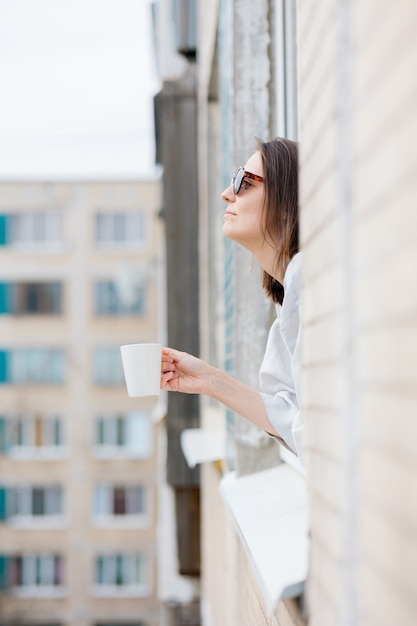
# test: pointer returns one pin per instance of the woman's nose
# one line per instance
(228, 195)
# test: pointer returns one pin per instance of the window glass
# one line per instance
(35, 431)
(119, 500)
(36, 366)
(36, 228)
(36, 501)
(135, 227)
(47, 570)
(102, 504)
(119, 570)
(41, 570)
(135, 500)
(120, 228)
(108, 369)
(32, 298)
(131, 433)
(53, 500)
(29, 571)
(55, 428)
(109, 300)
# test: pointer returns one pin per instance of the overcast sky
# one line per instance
(77, 80)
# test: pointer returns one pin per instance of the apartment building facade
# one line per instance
(333, 542)
(79, 276)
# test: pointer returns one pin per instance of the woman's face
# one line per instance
(242, 219)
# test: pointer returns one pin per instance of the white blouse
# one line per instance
(281, 367)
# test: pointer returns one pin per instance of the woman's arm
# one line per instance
(188, 374)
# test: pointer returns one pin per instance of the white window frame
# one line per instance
(138, 429)
(103, 500)
(26, 224)
(24, 517)
(110, 588)
(27, 363)
(45, 564)
(104, 288)
(29, 450)
(134, 229)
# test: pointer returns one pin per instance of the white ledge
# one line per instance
(270, 512)
(40, 591)
(120, 591)
(202, 446)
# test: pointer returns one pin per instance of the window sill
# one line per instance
(269, 509)
(49, 592)
(42, 248)
(121, 521)
(38, 522)
(118, 452)
(120, 591)
(47, 453)
(136, 247)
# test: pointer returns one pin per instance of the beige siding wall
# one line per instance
(323, 301)
(359, 232)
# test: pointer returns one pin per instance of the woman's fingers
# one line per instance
(169, 381)
(167, 367)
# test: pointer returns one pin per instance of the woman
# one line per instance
(262, 216)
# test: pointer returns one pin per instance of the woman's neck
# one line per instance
(266, 256)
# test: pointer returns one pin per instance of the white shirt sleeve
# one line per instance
(281, 367)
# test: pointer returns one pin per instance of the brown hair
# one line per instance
(280, 209)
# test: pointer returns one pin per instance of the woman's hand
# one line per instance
(183, 372)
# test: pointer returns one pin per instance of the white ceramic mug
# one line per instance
(142, 368)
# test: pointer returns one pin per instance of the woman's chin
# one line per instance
(228, 229)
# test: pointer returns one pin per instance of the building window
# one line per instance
(35, 228)
(120, 228)
(32, 436)
(36, 571)
(26, 431)
(108, 368)
(32, 365)
(118, 571)
(129, 435)
(29, 501)
(111, 500)
(110, 300)
(31, 298)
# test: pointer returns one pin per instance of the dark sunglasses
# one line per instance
(240, 175)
